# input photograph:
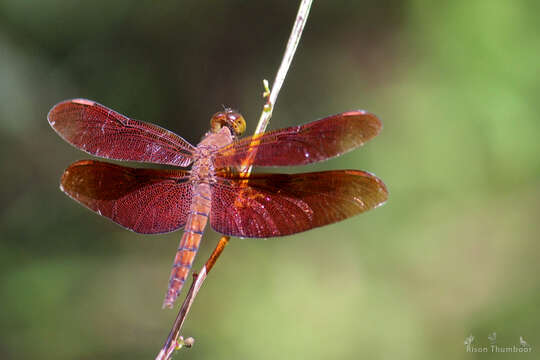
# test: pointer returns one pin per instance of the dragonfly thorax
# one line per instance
(203, 171)
(203, 166)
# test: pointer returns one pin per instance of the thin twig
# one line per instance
(271, 96)
(174, 340)
(292, 44)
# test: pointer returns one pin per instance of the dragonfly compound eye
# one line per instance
(229, 118)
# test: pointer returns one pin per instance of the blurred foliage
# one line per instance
(454, 252)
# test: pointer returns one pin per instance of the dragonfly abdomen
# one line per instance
(191, 239)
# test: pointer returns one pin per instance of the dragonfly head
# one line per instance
(229, 118)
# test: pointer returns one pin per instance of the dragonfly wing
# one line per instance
(268, 205)
(304, 144)
(103, 132)
(146, 201)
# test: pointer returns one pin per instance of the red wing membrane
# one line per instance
(299, 145)
(268, 205)
(143, 200)
(103, 132)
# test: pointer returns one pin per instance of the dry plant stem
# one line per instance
(292, 44)
(271, 97)
(172, 340)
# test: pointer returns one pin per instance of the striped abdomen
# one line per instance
(196, 222)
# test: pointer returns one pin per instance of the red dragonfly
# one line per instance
(152, 201)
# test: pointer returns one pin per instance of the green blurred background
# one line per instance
(454, 252)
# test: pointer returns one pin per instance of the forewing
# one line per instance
(103, 132)
(267, 205)
(305, 144)
(143, 200)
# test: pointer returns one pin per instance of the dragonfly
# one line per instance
(260, 205)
